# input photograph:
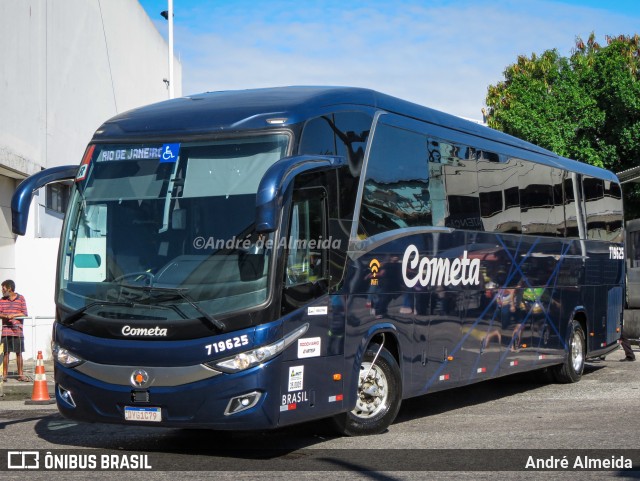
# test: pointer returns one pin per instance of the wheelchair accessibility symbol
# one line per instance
(170, 152)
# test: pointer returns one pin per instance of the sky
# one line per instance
(440, 53)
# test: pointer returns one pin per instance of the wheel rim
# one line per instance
(373, 392)
(577, 352)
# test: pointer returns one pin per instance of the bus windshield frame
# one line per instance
(148, 231)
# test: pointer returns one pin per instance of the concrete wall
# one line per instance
(7, 242)
(66, 66)
(631, 325)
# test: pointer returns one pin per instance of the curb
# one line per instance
(14, 389)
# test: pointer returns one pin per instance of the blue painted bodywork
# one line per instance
(441, 337)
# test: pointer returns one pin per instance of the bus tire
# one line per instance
(571, 370)
(378, 398)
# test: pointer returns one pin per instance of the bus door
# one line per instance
(481, 325)
(542, 304)
(441, 365)
(438, 321)
(308, 387)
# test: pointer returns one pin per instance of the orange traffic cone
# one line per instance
(40, 393)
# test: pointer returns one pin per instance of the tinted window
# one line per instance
(461, 184)
(536, 200)
(396, 189)
(603, 205)
(593, 190)
(490, 203)
(615, 221)
(318, 137)
(571, 218)
(342, 133)
(306, 255)
(491, 192)
(557, 214)
(499, 193)
(453, 173)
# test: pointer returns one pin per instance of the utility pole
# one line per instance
(168, 14)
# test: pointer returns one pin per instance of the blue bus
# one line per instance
(259, 258)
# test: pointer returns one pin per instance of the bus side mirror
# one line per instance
(21, 199)
(278, 178)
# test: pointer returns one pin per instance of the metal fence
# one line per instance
(37, 336)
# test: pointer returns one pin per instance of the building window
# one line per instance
(57, 197)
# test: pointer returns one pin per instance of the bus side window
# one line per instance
(396, 190)
(306, 256)
(307, 248)
(595, 207)
(340, 133)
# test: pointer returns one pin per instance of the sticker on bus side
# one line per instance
(296, 378)
(317, 310)
(309, 347)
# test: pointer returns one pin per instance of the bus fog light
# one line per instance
(242, 403)
(66, 396)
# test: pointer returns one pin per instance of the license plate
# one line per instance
(151, 415)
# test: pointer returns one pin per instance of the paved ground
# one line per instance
(511, 418)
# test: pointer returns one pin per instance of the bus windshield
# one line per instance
(168, 229)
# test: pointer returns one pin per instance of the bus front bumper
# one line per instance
(244, 400)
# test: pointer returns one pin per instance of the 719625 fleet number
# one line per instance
(616, 252)
(226, 345)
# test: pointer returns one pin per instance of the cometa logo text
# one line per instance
(141, 331)
(437, 271)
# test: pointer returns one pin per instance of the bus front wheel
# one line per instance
(378, 396)
(571, 370)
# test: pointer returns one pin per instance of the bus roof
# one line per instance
(241, 110)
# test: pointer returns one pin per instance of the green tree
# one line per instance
(586, 106)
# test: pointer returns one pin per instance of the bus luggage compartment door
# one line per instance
(311, 389)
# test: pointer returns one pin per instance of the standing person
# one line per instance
(626, 346)
(12, 307)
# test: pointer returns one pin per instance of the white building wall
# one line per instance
(66, 66)
(7, 243)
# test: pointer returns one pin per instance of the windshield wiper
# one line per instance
(77, 314)
(182, 294)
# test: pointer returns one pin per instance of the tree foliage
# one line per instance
(586, 106)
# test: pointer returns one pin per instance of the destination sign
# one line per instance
(165, 153)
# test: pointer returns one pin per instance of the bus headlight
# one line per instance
(249, 359)
(66, 357)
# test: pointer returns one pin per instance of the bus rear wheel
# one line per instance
(573, 366)
(378, 396)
